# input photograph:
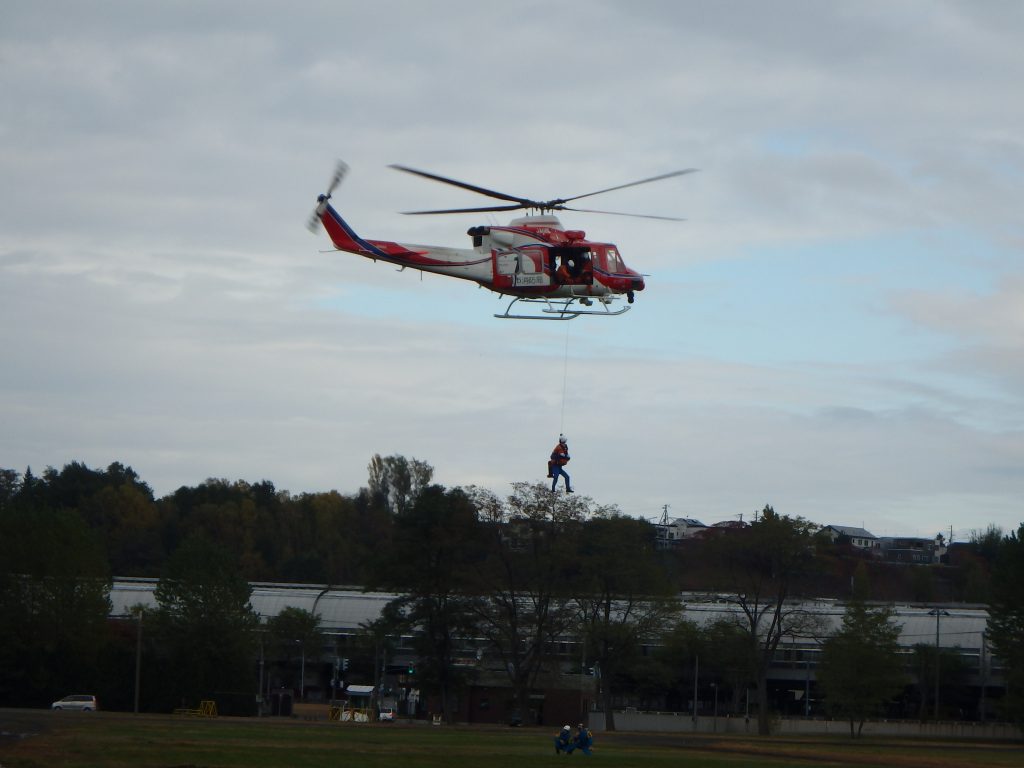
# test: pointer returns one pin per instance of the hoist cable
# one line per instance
(565, 377)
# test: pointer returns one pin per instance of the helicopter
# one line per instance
(550, 272)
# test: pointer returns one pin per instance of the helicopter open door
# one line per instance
(575, 265)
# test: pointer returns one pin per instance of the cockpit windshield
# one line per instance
(615, 263)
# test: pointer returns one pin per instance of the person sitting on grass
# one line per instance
(563, 741)
(584, 741)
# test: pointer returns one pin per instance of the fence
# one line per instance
(683, 722)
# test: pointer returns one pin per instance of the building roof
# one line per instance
(359, 690)
(853, 533)
(959, 625)
(343, 610)
(689, 522)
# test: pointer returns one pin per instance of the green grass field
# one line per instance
(34, 739)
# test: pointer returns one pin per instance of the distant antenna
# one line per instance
(664, 515)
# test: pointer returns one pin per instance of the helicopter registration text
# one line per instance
(536, 279)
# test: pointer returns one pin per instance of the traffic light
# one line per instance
(344, 664)
(412, 668)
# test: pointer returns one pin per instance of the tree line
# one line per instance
(518, 572)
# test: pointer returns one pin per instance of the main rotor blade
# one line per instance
(620, 213)
(486, 209)
(463, 185)
(632, 184)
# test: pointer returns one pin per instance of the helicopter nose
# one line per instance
(638, 283)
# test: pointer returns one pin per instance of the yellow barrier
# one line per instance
(207, 708)
(350, 714)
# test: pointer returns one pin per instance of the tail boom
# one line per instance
(455, 262)
(346, 239)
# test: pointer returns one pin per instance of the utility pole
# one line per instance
(583, 669)
(259, 689)
(138, 657)
(696, 673)
(984, 679)
(714, 726)
(807, 687)
(938, 612)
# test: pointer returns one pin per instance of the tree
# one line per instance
(622, 596)
(436, 541)
(987, 542)
(398, 480)
(724, 655)
(132, 528)
(377, 639)
(761, 566)
(205, 622)
(668, 671)
(1006, 622)
(10, 483)
(523, 580)
(953, 674)
(114, 503)
(296, 634)
(54, 602)
(860, 667)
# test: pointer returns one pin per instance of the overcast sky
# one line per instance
(837, 329)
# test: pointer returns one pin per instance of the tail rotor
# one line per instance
(339, 173)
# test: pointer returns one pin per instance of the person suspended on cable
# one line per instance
(556, 465)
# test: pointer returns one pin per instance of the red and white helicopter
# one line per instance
(557, 273)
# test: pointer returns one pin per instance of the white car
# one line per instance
(80, 701)
(387, 715)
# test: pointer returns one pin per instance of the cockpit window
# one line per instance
(615, 262)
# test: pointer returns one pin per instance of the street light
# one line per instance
(937, 613)
(302, 670)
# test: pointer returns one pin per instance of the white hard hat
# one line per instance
(566, 728)
(561, 438)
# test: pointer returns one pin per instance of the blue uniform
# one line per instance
(563, 742)
(559, 458)
(583, 742)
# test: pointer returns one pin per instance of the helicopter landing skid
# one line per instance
(561, 309)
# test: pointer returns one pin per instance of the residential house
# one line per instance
(671, 532)
(857, 537)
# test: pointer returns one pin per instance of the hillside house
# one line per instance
(859, 538)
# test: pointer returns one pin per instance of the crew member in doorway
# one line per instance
(559, 458)
(564, 274)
